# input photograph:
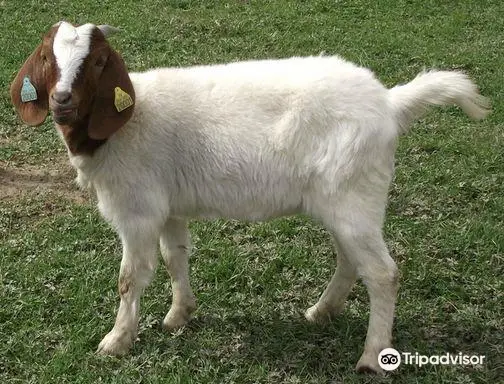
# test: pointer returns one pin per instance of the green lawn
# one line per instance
(59, 261)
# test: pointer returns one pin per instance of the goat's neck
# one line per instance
(77, 139)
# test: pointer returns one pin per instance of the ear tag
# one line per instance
(122, 100)
(28, 91)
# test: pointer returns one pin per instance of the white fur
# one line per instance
(253, 141)
(71, 46)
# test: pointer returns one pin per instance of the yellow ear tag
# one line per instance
(122, 100)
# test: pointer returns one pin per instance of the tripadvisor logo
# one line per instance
(389, 359)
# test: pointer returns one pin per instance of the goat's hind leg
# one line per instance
(137, 266)
(356, 224)
(175, 248)
(380, 275)
(362, 242)
(332, 301)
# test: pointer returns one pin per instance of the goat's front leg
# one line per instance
(175, 248)
(137, 266)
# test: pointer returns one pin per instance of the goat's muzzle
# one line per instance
(62, 108)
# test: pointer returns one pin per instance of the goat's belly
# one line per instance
(248, 214)
(243, 207)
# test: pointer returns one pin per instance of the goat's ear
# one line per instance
(33, 111)
(114, 99)
(108, 30)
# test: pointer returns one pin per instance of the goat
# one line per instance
(249, 140)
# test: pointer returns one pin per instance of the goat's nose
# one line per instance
(62, 97)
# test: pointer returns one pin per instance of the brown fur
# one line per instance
(42, 70)
(96, 118)
(124, 286)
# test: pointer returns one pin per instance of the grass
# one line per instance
(59, 261)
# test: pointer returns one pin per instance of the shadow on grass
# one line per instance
(282, 346)
(287, 347)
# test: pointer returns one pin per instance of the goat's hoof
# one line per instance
(178, 316)
(368, 363)
(115, 343)
(318, 314)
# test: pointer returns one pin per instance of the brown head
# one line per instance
(75, 74)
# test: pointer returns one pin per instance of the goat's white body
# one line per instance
(249, 140)
(256, 140)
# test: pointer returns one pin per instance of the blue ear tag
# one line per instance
(28, 91)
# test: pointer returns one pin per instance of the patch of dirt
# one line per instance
(28, 180)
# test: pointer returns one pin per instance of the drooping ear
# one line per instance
(108, 30)
(114, 99)
(31, 75)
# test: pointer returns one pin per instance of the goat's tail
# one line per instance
(410, 101)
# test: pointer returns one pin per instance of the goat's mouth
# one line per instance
(64, 115)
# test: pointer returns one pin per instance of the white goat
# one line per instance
(250, 140)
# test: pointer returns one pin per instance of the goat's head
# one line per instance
(78, 77)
